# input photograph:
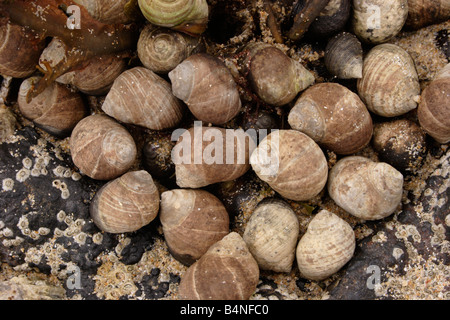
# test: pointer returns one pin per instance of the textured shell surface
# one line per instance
(377, 21)
(334, 117)
(328, 244)
(271, 235)
(389, 85)
(366, 189)
(207, 87)
(332, 18)
(106, 11)
(291, 163)
(227, 271)
(140, 97)
(126, 203)
(192, 221)
(344, 56)
(425, 12)
(199, 163)
(102, 148)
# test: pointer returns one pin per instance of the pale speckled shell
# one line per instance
(126, 204)
(140, 97)
(334, 117)
(366, 189)
(106, 11)
(206, 85)
(344, 56)
(434, 107)
(302, 167)
(390, 85)
(271, 235)
(328, 244)
(227, 271)
(101, 148)
(377, 21)
(192, 221)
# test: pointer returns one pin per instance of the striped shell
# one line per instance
(192, 221)
(327, 245)
(126, 204)
(389, 85)
(101, 148)
(344, 56)
(106, 11)
(140, 97)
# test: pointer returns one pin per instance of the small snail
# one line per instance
(56, 110)
(389, 85)
(291, 163)
(161, 50)
(327, 245)
(366, 189)
(227, 271)
(271, 235)
(377, 21)
(434, 107)
(331, 19)
(101, 148)
(19, 51)
(334, 117)
(344, 56)
(140, 97)
(192, 221)
(207, 87)
(106, 11)
(126, 203)
(156, 156)
(199, 163)
(189, 16)
(401, 143)
(275, 77)
(425, 12)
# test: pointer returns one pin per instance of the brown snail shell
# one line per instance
(192, 221)
(140, 97)
(126, 203)
(56, 110)
(273, 76)
(195, 164)
(271, 235)
(227, 271)
(207, 87)
(389, 85)
(425, 12)
(106, 11)
(328, 244)
(161, 50)
(291, 163)
(7, 123)
(334, 117)
(401, 143)
(366, 189)
(434, 107)
(19, 55)
(377, 21)
(101, 148)
(331, 19)
(344, 56)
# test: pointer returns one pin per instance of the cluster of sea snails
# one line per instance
(150, 61)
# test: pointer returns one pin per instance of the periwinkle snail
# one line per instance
(106, 11)
(425, 12)
(331, 19)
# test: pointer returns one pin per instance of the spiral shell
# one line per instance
(19, 51)
(206, 85)
(227, 271)
(271, 235)
(425, 12)
(275, 77)
(199, 164)
(101, 148)
(331, 19)
(126, 203)
(190, 16)
(377, 21)
(161, 50)
(140, 97)
(56, 110)
(328, 244)
(434, 107)
(389, 85)
(366, 189)
(344, 56)
(334, 117)
(106, 11)
(192, 221)
(291, 163)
